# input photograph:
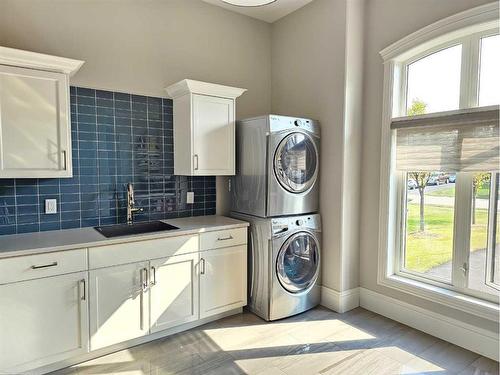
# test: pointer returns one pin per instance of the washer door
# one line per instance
(296, 162)
(297, 264)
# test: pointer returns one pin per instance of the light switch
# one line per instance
(190, 197)
(51, 206)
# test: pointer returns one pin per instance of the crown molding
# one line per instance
(39, 61)
(189, 86)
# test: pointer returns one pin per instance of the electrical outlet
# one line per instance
(190, 197)
(51, 206)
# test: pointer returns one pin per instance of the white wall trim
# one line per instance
(339, 301)
(444, 28)
(470, 337)
(40, 61)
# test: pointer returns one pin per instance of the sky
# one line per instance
(435, 79)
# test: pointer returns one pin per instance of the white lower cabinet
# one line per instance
(173, 291)
(54, 317)
(223, 280)
(119, 304)
(43, 321)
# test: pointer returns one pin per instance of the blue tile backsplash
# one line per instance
(116, 138)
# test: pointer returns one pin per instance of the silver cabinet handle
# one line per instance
(202, 263)
(144, 278)
(84, 290)
(64, 159)
(144, 286)
(53, 264)
(195, 157)
(153, 274)
(225, 238)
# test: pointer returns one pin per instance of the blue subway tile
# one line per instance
(104, 94)
(116, 138)
(86, 109)
(85, 100)
(7, 229)
(70, 224)
(82, 91)
(50, 226)
(27, 228)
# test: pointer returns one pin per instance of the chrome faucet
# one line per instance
(131, 209)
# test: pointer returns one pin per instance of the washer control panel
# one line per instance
(293, 223)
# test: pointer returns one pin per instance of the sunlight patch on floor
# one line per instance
(281, 334)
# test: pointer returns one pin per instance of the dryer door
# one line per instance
(297, 263)
(296, 162)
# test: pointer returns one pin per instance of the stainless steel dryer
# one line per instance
(284, 260)
(277, 160)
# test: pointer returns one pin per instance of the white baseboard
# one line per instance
(470, 337)
(339, 301)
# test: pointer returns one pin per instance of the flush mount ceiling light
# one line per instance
(248, 3)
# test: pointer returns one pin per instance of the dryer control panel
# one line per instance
(293, 223)
(280, 123)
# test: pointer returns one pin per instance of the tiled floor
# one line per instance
(317, 342)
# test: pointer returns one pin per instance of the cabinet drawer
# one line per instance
(42, 265)
(137, 251)
(223, 238)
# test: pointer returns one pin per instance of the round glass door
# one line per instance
(297, 265)
(296, 162)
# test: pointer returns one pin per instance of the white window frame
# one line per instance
(464, 28)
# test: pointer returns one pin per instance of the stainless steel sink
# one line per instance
(136, 228)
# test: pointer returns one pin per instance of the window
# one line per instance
(443, 165)
(489, 74)
(430, 204)
(434, 82)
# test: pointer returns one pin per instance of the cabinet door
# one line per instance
(119, 304)
(174, 291)
(213, 135)
(34, 124)
(223, 280)
(42, 321)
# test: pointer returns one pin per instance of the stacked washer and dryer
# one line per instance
(276, 189)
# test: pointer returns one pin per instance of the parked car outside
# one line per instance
(443, 178)
(433, 180)
(453, 178)
(412, 184)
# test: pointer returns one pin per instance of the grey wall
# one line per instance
(317, 72)
(386, 22)
(143, 46)
(308, 59)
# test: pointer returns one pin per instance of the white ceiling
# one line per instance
(268, 13)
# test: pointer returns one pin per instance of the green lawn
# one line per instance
(482, 193)
(435, 245)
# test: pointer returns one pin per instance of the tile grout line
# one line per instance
(98, 188)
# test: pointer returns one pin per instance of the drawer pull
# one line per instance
(225, 238)
(53, 264)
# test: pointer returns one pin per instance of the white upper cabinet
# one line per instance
(35, 124)
(204, 131)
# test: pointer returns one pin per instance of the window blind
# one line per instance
(452, 141)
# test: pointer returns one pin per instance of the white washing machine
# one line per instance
(284, 259)
(277, 166)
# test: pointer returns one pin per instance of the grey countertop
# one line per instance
(40, 242)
